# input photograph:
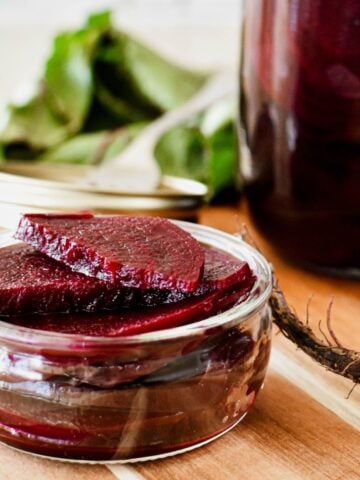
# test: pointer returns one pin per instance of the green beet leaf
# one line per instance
(32, 124)
(59, 108)
(120, 109)
(68, 75)
(181, 152)
(203, 148)
(120, 141)
(81, 149)
(92, 148)
(142, 77)
(218, 127)
(95, 79)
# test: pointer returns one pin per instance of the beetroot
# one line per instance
(223, 270)
(141, 320)
(34, 283)
(137, 252)
(31, 282)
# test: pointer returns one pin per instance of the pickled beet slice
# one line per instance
(31, 282)
(28, 427)
(137, 252)
(104, 445)
(142, 320)
(223, 270)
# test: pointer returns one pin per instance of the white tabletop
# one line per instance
(199, 33)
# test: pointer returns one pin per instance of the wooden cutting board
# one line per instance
(301, 427)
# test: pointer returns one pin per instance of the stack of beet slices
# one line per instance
(113, 276)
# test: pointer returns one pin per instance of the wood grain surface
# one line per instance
(279, 439)
(301, 427)
(15, 465)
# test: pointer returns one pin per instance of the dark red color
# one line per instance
(31, 282)
(136, 321)
(190, 398)
(136, 252)
(300, 112)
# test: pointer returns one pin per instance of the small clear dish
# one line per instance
(142, 397)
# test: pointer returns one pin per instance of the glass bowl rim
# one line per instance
(259, 295)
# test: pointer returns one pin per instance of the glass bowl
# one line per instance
(139, 397)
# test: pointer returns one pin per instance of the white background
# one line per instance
(199, 33)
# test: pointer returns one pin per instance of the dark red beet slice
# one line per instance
(147, 319)
(34, 283)
(137, 252)
(29, 427)
(223, 270)
(31, 282)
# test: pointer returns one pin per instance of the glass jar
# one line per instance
(137, 397)
(300, 128)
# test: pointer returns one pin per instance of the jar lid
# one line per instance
(61, 187)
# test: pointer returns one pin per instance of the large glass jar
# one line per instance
(300, 128)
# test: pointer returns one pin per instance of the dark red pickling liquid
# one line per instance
(300, 112)
(188, 399)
